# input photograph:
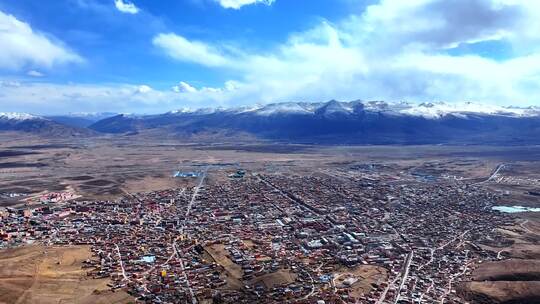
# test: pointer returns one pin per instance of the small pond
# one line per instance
(515, 209)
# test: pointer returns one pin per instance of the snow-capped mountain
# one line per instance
(17, 116)
(29, 123)
(282, 108)
(441, 109)
(333, 122)
(434, 110)
(355, 122)
(92, 115)
(200, 111)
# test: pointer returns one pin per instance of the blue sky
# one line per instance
(147, 56)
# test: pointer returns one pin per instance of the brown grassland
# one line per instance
(52, 275)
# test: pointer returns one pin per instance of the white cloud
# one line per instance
(35, 73)
(228, 86)
(394, 50)
(437, 24)
(232, 85)
(126, 7)
(53, 98)
(10, 83)
(181, 49)
(237, 4)
(143, 89)
(21, 46)
(184, 87)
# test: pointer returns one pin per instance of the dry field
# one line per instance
(508, 281)
(233, 272)
(365, 276)
(271, 280)
(52, 275)
(508, 270)
(502, 292)
(524, 238)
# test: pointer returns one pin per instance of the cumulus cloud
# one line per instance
(237, 4)
(51, 98)
(179, 48)
(22, 46)
(10, 83)
(184, 87)
(126, 7)
(393, 50)
(35, 73)
(55, 98)
(435, 23)
(143, 89)
(232, 85)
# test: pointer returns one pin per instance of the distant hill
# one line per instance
(355, 122)
(80, 120)
(39, 125)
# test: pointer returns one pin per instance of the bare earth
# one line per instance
(365, 276)
(503, 292)
(38, 274)
(508, 270)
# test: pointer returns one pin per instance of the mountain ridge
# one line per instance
(332, 122)
(426, 109)
(28, 123)
(356, 122)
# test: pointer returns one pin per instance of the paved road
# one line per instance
(188, 211)
(312, 285)
(427, 291)
(455, 276)
(383, 295)
(121, 263)
(175, 252)
(452, 240)
(493, 175)
(432, 252)
(522, 225)
(194, 196)
(289, 196)
(405, 274)
(192, 294)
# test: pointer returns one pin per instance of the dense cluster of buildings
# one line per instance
(272, 238)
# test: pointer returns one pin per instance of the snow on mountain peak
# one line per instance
(17, 116)
(91, 114)
(428, 110)
(335, 107)
(198, 111)
(441, 109)
(283, 108)
(181, 111)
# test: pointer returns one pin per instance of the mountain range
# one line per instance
(333, 122)
(40, 126)
(81, 120)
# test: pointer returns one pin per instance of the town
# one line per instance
(259, 237)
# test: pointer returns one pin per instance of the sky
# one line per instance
(148, 56)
